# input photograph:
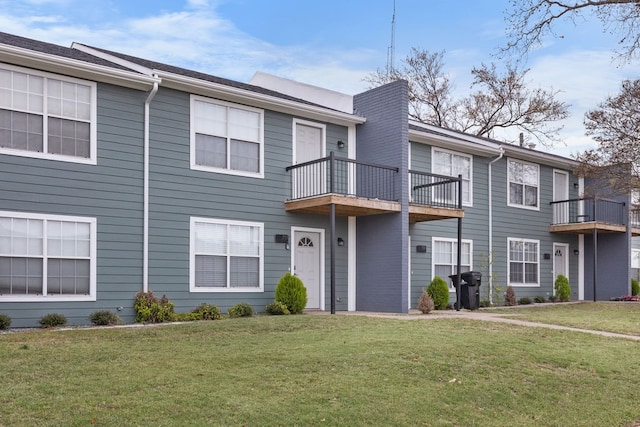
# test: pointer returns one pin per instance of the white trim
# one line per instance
(192, 257)
(581, 267)
(525, 284)
(409, 272)
(192, 138)
(351, 263)
(93, 119)
(93, 243)
(469, 202)
(435, 239)
(145, 203)
(564, 196)
(112, 58)
(514, 205)
(322, 285)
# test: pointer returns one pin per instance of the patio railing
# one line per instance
(435, 190)
(588, 209)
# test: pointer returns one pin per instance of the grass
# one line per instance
(619, 317)
(318, 370)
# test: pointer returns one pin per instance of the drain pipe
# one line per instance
(145, 220)
(490, 260)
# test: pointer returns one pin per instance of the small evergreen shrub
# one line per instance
(635, 287)
(5, 321)
(553, 298)
(525, 301)
(240, 310)
(539, 299)
(187, 317)
(291, 292)
(510, 297)
(52, 320)
(425, 303)
(563, 290)
(150, 309)
(206, 312)
(439, 293)
(277, 308)
(104, 318)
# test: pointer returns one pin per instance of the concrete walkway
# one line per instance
(486, 317)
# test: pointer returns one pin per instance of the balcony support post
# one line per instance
(332, 245)
(459, 273)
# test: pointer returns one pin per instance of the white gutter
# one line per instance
(145, 221)
(490, 260)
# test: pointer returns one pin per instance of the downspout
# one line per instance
(145, 220)
(490, 259)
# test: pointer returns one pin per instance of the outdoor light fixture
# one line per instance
(340, 144)
(340, 241)
(576, 252)
(421, 249)
(576, 185)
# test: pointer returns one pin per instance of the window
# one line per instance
(635, 258)
(47, 116)
(524, 266)
(524, 181)
(452, 164)
(445, 258)
(226, 137)
(47, 258)
(226, 256)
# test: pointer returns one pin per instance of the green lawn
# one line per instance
(619, 317)
(318, 370)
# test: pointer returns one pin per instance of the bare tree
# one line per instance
(614, 126)
(496, 101)
(530, 21)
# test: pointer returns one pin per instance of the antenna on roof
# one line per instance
(391, 48)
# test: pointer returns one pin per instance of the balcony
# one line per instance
(583, 216)
(357, 188)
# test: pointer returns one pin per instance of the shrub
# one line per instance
(276, 308)
(484, 303)
(563, 290)
(539, 299)
(150, 309)
(187, 317)
(510, 297)
(553, 298)
(635, 287)
(52, 320)
(439, 293)
(5, 321)
(425, 303)
(240, 310)
(104, 318)
(291, 292)
(206, 312)
(525, 301)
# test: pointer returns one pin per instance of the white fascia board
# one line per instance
(454, 143)
(243, 96)
(73, 67)
(111, 58)
(539, 157)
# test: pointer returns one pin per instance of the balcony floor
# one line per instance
(345, 205)
(589, 227)
(420, 213)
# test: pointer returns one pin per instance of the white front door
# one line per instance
(560, 260)
(309, 144)
(561, 193)
(307, 263)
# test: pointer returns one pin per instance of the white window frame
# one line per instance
(524, 284)
(517, 205)
(92, 159)
(635, 258)
(454, 261)
(192, 256)
(459, 154)
(45, 256)
(227, 170)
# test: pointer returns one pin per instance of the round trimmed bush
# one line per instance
(240, 310)
(277, 308)
(52, 320)
(104, 318)
(206, 312)
(5, 321)
(291, 292)
(438, 290)
(635, 287)
(563, 290)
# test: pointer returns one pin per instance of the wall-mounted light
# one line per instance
(340, 241)
(283, 238)
(421, 249)
(576, 252)
(576, 185)
(340, 144)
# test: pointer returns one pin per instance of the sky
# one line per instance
(334, 44)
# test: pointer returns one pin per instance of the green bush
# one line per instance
(5, 321)
(438, 290)
(563, 290)
(207, 312)
(525, 301)
(510, 297)
(277, 308)
(150, 309)
(425, 303)
(104, 318)
(539, 299)
(291, 292)
(187, 317)
(52, 320)
(553, 298)
(240, 310)
(635, 287)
